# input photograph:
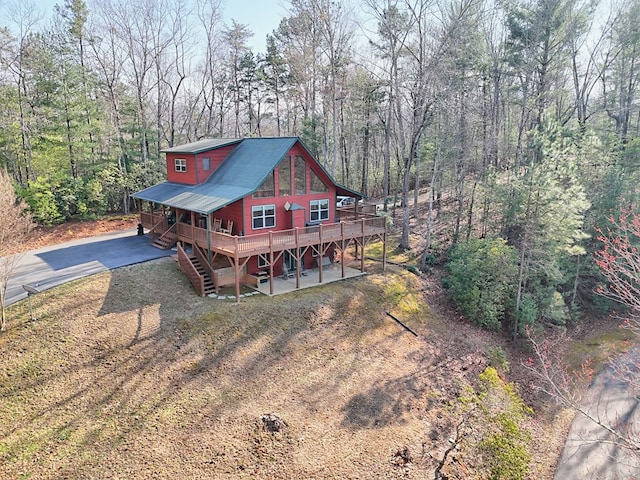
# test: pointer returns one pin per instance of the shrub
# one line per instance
(504, 443)
(481, 278)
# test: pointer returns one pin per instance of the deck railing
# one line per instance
(278, 240)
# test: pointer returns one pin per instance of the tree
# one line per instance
(489, 435)
(482, 273)
(236, 37)
(545, 216)
(15, 224)
(619, 261)
(621, 81)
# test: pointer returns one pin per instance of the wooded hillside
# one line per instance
(519, 119)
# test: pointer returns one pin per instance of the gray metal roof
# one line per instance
(239, 175)
(201, 145)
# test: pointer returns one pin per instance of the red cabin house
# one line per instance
(252, 209)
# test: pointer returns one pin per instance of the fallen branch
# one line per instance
(406, 327)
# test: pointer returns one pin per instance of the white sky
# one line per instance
(261, 16)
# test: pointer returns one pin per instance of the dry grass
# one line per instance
(121, 377)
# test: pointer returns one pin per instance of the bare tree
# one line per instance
(15, 224)
(621, 81)
(24, 17)
(619, 261)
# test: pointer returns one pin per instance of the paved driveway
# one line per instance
(590, 452)
(51, 266)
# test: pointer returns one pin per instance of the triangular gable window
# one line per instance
(317, 185)
(267, 189)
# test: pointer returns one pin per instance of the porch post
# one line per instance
(320, 256)
(270, 262)
(193, 225)
(363, 243)
(342, 249)
(209, 238)
(297, 257)
(237, 268)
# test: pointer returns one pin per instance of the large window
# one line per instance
(181, 165)
(319, 210)
(316, 183)
(284, 176)
(300, 174)
(263, 216)
(267, 189)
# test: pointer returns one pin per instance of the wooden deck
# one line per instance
(269, 246)
(270, 242)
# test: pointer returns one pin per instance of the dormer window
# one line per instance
(181, 165)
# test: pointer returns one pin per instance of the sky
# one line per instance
(261, 16)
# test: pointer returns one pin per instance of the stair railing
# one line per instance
(160, 225)
(202, 258)
(190, 271)
(167, 233)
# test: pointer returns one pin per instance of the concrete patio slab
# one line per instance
(330, 274)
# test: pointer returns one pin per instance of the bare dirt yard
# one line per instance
(128, 374)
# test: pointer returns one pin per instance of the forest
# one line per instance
(518, 118)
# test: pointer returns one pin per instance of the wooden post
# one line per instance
(384, 249)
(236, 260)
(193, 226)
(320, 255)
(297, 256)
(342, 248)
(363, 243)
(271, 262)
(209, 217)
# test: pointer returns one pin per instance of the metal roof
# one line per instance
(239, 175)
(201, 145)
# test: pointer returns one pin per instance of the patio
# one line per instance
(330, 274)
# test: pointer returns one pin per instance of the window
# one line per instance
(206, 164)
(284, 176)
(262, 262)
(267, 189)
(300, 173)
(316, 184)
(263, 216)
(181, 165)
(319, 210)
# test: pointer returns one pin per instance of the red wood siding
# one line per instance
(284, 217)
(195, 174)
(309, 262)
(188, 177)
(216, 157)
(231, 212)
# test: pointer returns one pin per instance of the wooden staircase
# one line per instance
(165, 241)
(198, 274)
(209, 287)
